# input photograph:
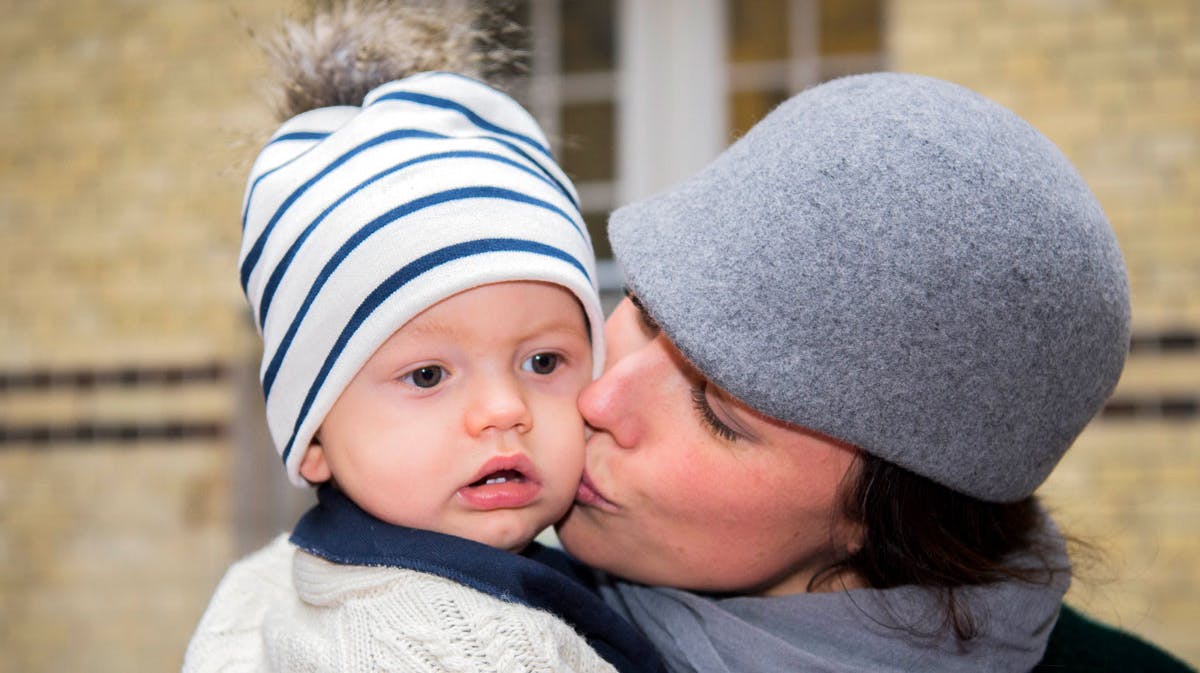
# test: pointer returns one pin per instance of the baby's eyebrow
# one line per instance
(646, 317)
(557, 326)
(432, 326)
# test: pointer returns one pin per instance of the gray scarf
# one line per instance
(861, 630)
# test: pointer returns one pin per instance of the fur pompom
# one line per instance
(348, 47)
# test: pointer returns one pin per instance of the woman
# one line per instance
(854, 346)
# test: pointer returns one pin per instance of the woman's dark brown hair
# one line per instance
(917, 532)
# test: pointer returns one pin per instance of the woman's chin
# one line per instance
(568, 530)
(584, 539)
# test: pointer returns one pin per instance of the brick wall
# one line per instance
(1116, 84)
(127, 130)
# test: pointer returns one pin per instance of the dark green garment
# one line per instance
(1080, 645)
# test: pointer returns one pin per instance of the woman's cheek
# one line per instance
(695, 488)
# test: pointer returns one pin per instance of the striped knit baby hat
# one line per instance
(357, 218)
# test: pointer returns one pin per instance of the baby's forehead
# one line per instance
(517, 308)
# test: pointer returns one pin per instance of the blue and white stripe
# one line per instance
(356, 219)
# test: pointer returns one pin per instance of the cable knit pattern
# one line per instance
(282, 609)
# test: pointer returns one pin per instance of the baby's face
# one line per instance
(464, 421)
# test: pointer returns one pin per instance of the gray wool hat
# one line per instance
(899, 263)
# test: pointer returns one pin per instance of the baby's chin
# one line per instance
(509, 536)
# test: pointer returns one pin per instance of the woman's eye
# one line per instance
(424, 377)
(709, 417)
(542, 363)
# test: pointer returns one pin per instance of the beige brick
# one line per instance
(1163, 374)
(1172, 23)
(1175, 89)
(1106, 28)
(1189, 52)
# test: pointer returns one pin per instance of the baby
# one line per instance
(425, 290)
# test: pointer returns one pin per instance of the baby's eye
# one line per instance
(542, 363)
(424, 377)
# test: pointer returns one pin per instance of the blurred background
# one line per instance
(133, 461)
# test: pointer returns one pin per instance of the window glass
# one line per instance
(587, 35)
(588, 140)
(597, 225)
(758, 30)
(747, 107)
(850, 27)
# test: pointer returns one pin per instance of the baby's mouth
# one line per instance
(503, 482)
(500, 477)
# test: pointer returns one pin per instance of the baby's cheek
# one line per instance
(567, 417)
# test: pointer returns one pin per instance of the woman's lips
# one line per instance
(589, 496)
(504, 482)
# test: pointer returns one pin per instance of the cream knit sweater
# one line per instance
(282, 609)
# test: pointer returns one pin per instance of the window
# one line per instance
(571, 90)
(780, 47)
(638, 94)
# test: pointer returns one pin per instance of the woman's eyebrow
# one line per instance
(646, 317)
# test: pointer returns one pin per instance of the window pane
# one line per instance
(587, 35)
(588, 141)
(758, 30)
(851, 26)
(746, 108)
(597, 224)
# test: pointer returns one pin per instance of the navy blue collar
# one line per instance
(337, 530)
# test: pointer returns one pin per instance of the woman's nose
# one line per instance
(610, 403)
(606, 406)
(497, 403)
